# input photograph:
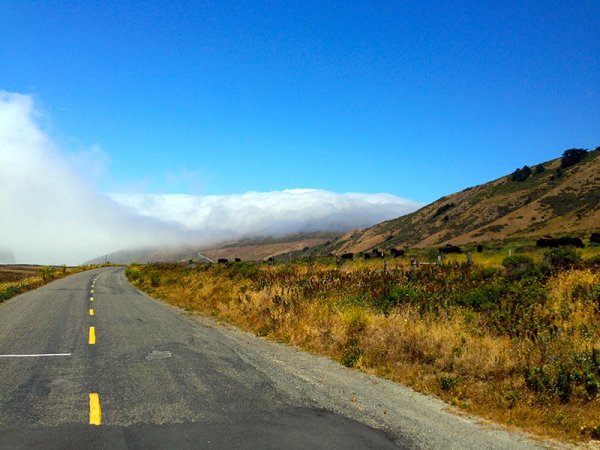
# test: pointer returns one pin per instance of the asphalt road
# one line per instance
(150, 376)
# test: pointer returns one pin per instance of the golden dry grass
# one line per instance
(15, 280)
(533, 367)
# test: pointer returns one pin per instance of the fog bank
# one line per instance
(51, 214)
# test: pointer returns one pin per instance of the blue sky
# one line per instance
(416, 99)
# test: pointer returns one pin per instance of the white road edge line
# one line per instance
(38, 355)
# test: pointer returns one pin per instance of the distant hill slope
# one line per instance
(247, 250)
(561, 196)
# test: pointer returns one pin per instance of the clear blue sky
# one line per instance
(418, 99)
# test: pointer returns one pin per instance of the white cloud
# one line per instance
(50, 213)
(269, 213)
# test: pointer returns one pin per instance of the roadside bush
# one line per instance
(483, 297)
(447, 383)
(562, 258)
(47, 273)
(395, 296)
(133, 273)
(567, 376)
(519, 266)
(593, 262)
(9, 292)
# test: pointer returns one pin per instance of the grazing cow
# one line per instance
(550, 242)
(595, 237)
(546, 242)
(349, 256)
(378, 253)
(222, 260)
(449, 248)
(396, 252)
(366, 255)
(238, 259)
(575, 242)
(480, 248)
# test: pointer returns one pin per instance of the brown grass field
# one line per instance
(518, 344)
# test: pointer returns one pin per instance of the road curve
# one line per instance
(91, 349)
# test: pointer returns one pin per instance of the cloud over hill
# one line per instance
(52, 214)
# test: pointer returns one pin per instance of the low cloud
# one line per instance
(268, 213)
(51, 213)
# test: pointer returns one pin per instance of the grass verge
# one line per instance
(16, 281)
(518, 344)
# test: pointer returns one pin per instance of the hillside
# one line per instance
(561, 196)
(247, 250)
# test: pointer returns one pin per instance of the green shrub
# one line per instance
(395, 296)
(133, 273)
(447, 383)
(483, 297)
(593, 262)
(519, 266)
(9, 292)
(562, 258)
(154, 279)
(47, 273)
(567, 375)
(351, 354)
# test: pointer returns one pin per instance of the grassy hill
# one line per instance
(558, 197)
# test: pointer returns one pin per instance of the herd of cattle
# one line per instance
(543, 242)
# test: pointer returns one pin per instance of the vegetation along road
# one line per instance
(88, 361)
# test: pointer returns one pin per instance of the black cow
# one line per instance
(396, 252)
(349, 256)
(449, 248)
(366, 255)
(575, 242)
(546, 242)
(378, 253)
(595, 237)
(222, 260)
(550, 242)
(480, 248)
(238, 259)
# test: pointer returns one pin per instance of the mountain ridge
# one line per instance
(560, 196)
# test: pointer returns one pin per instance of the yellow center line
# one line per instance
(91, 299)
(92, 338)
(95, 410)
(92, 291)
(91, 311)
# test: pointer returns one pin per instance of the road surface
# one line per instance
(90, 362)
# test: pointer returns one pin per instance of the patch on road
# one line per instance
(158, 354)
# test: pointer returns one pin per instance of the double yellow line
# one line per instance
(95, 409)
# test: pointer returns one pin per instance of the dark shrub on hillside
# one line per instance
(571, 157)
(442, 209)
(521, 174)
(539, 169)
